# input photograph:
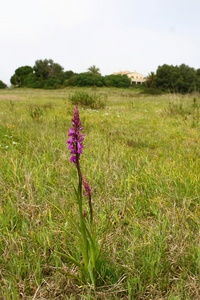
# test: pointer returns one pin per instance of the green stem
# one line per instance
(90, 207)
(82, 221)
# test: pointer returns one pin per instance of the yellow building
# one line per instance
(135, 77)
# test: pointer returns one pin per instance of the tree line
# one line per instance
(47, 74)
(176, 79)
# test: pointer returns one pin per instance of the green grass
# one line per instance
(142, 159)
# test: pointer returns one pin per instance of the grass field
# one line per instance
(142, 159)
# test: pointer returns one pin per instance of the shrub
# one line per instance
(121, 81)
(152, 91)
(86, 100)
(2, 85)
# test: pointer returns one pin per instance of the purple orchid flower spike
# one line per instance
(75, 141)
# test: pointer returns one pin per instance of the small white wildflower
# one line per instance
(66, 224)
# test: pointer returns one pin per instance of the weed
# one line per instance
(195, 113)
(36, 113)
(176, 108)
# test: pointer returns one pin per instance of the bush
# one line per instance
(2, 85)
(152, 91)
(89, 79)
(92, 101)
(121, 81)
(52, 83)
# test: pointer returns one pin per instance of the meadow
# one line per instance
(142, 158)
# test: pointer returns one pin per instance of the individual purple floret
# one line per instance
(75, 141)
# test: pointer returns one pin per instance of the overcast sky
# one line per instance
(114, 35)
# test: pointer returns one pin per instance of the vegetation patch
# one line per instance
(142, 161)
(84, 99)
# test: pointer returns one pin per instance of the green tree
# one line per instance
(49, 74)
(89, 79)
(94, 70)
(72, 81)
(68, 77)
(2, 85)
(68, 74)
(31, 81)
(189, 79)
(182, 79)
(167, 77)
(121, 81)
(198, 79)
(151, 80)
(20, 76)
(198, 72)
